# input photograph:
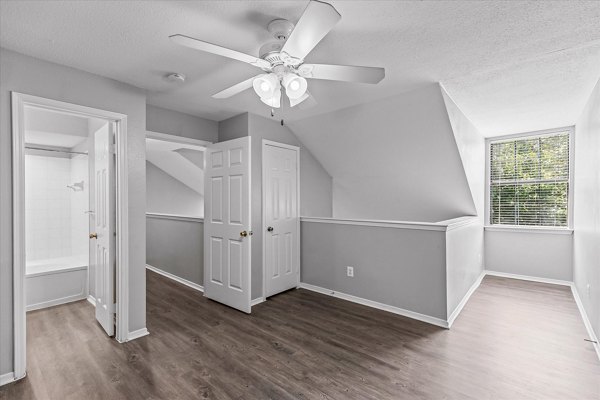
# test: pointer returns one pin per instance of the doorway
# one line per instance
(70, 213)
(281, 219)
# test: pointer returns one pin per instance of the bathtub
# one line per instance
(55, 281)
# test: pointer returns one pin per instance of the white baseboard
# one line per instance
(185, 282)
(370, 303)
(465, 299)
(55, 302)
(92, 300)
(137, 334)
(7, 378)
(528, 278)
(257, 301)
(586, 321)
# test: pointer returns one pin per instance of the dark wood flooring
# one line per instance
(513, 340)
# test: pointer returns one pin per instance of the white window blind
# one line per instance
(529, 181)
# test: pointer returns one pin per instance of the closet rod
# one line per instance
(55, 150)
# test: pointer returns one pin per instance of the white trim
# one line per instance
(256, 301)
(174, 217)
(92, 300)
(137, 334)
(264, 144)
(370, 303)
(122, 230)
(543, 132)
(56, 302)
(56, 271)
(528, 278)
(426, 226)
(176, 139)
(532, 229)
(9, 377)
(586, 321)
(452, 317)
(19, 101)
(460, 222)
(18, 175)
(176, 278)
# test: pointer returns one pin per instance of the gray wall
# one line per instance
(315, 182)
(393, 159)
(587, 208)
(538, 254)
(167, 195)
(175, 123)
(234, 127)
(400, 267)
(176, 247)
(41, 78)
(464, 262)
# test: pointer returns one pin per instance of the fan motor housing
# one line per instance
(270, 52)
(280, 28)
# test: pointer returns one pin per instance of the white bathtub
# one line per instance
(55, 281)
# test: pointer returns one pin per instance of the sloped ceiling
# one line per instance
(418, 43)
(394, 159)
(178, 161)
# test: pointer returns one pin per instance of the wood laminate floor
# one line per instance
(513, 340)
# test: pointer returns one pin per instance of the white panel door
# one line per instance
(280, 208)
(227, 224)
(104, 234)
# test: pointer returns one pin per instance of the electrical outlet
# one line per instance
(350, 272)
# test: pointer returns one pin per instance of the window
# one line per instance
(529, 180)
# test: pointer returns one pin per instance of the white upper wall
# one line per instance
(471, 146)
(176, 123)
(394, 159)
(586, 212)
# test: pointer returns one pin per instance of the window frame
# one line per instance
(570, 130)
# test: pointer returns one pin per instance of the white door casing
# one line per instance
(227, 223)
(104, 228)
(281, 217)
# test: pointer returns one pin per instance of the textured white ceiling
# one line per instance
(417, 42)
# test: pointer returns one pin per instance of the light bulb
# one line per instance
(295, 86)
(264, 86)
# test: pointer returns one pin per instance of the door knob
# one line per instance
(93, 236)
(243, 233)
(270, 229)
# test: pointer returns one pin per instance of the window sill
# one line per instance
(530, 229)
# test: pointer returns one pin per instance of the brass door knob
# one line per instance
(243, 233)
(93, 236)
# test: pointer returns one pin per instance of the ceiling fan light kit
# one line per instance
(282, 61)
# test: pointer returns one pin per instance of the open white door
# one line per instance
(281, 217)
(104, 235)
(227, 224)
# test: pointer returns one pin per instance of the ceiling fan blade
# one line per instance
(316, 21)
(308, 103)
(219, 50)
(235, 89)
(346, 73)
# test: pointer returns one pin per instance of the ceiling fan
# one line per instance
(283, 60)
